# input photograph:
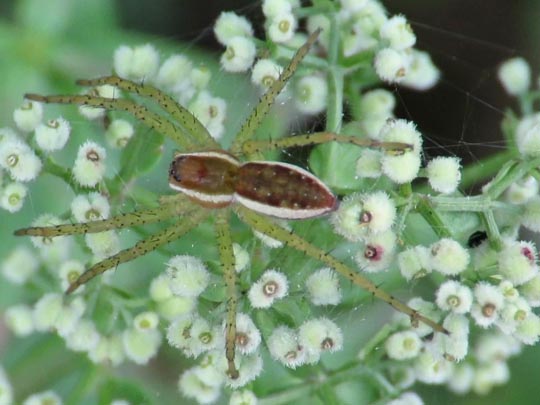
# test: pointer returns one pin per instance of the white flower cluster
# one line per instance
(178, 76)
(500, 309)
(363, 25)
(367, 218)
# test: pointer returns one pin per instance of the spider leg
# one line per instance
(226, 254)
(267, 227)
(183, 116)
(267, 100)
(149, 118)
(142, 247)
(141, 217)
(257, 146)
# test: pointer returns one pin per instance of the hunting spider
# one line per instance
(213, 181)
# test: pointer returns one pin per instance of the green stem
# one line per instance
(486, 168)
(51, 167)
(428, 212)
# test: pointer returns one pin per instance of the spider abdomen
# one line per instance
(282, 190)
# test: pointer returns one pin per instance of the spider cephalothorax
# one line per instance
(210, 178)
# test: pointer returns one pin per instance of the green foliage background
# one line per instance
(44, 46)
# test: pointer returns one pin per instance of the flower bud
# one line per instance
(53, 135)
(239, 55)
(89, 167)
(137, 63)
(444, 174)
(230, 25)
(323, 287)
(28, 116)
(271, 286)
(188, 276)
(515, 76)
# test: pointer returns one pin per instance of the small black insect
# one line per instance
(477, 238)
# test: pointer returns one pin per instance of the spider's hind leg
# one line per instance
(142, 247)
(174, 206)
(265, 226)
(226, 254)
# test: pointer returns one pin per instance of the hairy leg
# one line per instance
(267, 227)
(193, 127)
(228, 262)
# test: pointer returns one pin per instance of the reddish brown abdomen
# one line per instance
(282, 190)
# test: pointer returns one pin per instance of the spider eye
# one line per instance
(174, 173)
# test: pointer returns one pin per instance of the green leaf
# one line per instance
(128, 390)
(140, 155)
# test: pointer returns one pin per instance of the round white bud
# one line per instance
(103, 244)
(138, 63)
(84, 336)
(188, 276)
(230, 25)
(20, 321)
(376, 252)
(515, 76)
(12, 197)
(488, 302)
(118, 133)
(202, 391)
(281, 27)
(422, 74)
(284, 347)
(323, 287)
(141, 346)
(454, 296)
(414, 262)
(528, 135)
(398, 33)
(392, 65)
(517, 261)
(403, 345)
(444, 174)
(521, 191)
(449, 257)
(19, 160)
(265, 72)
(244, 397)
(311, 93)
(272, 8)
(19, 265)
(89, 167)
(248, 337)
(28, 116)
(271, 286)
(53, 135)
(90, 207)
(174, 72)
(239, 55)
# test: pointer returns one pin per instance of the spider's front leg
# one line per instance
(149, 118)
(252, 147)
(191, 125)
(226, 255)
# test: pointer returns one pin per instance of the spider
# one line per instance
(213, 181)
